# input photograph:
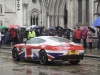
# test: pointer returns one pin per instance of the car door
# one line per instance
(30, 46)
(38, 46)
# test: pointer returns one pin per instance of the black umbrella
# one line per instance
(67, 29)
(38, 27)
(57, 28)
(52, 28)
(91, 29)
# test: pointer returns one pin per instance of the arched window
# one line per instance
(34, 20)
(80, 11)
(0, 8)
(87, 10)
(37, 20)
(65, 16)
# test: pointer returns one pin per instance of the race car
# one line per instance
(48, 48)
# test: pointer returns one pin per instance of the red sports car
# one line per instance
(49, 48)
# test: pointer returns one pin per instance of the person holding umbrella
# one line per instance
(84, 36)
(59, 32)
(89, 38)
(67, 34)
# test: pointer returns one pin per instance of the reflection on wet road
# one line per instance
(88, 66)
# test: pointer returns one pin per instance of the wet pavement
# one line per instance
(92, 51)
(88, 66)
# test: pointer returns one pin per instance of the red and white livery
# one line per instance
(49, 48)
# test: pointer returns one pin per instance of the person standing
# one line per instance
(89, 38)
(84, 37)
(31, 34)
(98, 35)
(37, 32)
(73, 35)
(51, 33)
(67, 34)
(14, 36)
(59, 32)
(78, 35)
(0, 38)
(44, 32)
(7, 37)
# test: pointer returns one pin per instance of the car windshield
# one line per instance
(59, 39)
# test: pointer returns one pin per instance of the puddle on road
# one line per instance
(37, 71)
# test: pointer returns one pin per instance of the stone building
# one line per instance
(49, 13)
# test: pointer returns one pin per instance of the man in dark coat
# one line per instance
(67, 34)
(98, 34)
(44, 32)
(51, 33)
(7, 37)
(59, 32)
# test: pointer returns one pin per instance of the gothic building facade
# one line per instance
(49, 13)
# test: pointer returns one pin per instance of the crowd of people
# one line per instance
(15, 36)
(86, 34)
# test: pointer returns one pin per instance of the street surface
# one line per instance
(88, 66)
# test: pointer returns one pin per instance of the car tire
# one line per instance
(15, 55)
(43, 57)
(74, 62)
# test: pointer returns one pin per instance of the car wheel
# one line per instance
(74, 62)
(43, 57)
(15, 55)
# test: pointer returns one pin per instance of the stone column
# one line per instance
(91, 10)
(48, 21)
(19, 13)
(32, 19)
(52, 21)
(72, 14)
(24, 12)
(83, 12)
(69, 13)
(56, 21)
(61, 20)
(76, 12)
